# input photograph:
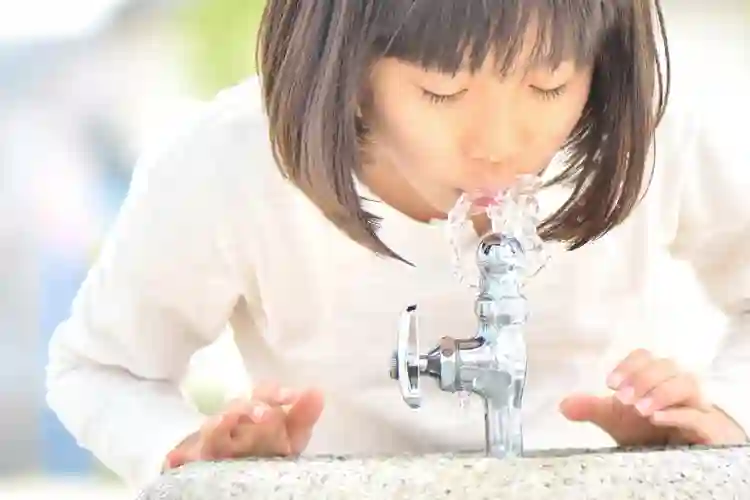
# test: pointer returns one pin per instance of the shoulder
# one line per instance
(705, 112)
(222, 150)
(701, 156)
(704, 127)
(229, 133)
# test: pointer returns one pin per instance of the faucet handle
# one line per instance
(405, 363)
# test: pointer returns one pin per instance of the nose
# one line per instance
(495, 137)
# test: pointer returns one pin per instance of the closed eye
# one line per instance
(442, 98)
(549, 93)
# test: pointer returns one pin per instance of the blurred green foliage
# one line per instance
(220, 37)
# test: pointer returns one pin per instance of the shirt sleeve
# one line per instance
(163, 287)
(714, 237)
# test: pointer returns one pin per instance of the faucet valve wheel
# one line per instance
(405, 363)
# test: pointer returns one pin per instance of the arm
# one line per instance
(162, 288)
(714, 236)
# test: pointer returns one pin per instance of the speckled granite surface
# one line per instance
(721, 473)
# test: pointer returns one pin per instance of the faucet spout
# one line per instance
(503, 429)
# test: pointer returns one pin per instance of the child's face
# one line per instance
(487, 131)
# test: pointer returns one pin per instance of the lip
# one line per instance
(483, 201)
(494, 187)
(484, 194)
(488, 190)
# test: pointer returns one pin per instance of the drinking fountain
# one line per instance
(492, 362)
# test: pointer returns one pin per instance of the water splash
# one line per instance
(512, 212)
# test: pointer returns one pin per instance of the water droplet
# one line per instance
(464, 400)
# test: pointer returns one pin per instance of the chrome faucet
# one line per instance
(491, 364)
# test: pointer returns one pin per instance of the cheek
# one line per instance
(559, 130)
(417, 137)
(562, 118)
(572, 108)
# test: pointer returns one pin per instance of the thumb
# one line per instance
(588, 408)
(302, 417)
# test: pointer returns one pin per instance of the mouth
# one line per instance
(482, 197)
(484, 201)
(472, 204)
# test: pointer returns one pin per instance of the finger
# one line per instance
(264, 439)
(632, 363)
(302, 417)
(611, 416)
(212, 433)
(178, 457)
(228, 436)
(220, 441)
(174, 459)
(699, 424)
(244, 410)
(645, 379)
(249, 427)
(682, 390)
(708, 427)
(585, 408)
(266, 391)
(273, 394)
(187, 450)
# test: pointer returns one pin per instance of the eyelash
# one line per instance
(549, 94)
(440, 98)
(545, 94)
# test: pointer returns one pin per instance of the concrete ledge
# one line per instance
(610, 474)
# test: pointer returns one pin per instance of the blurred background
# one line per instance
(85, 86)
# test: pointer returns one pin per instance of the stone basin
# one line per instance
(611, 474)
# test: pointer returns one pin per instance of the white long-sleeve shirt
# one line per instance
(210, 235)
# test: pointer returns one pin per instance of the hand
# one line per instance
(273, 422)
(655, 404)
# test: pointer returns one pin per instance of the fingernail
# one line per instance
(286, 396)
(216, 421)
(231, 419)
(625, 395)
(643, 406)
(225, 421)
(259, 411)
(614, 380)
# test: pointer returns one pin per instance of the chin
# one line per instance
(447, 201)
(440, 200)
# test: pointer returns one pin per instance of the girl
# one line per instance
(307, 210)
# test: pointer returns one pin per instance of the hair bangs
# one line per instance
(458, 35)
